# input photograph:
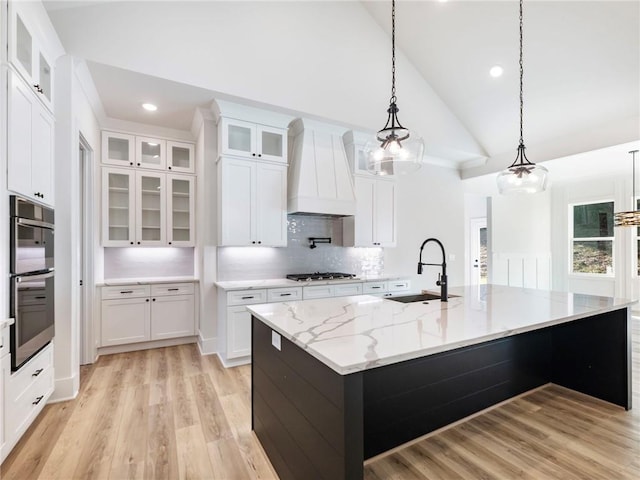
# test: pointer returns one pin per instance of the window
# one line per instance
(592, 242)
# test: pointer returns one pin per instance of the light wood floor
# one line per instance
(171, 414)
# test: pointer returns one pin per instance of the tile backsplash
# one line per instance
(136, 262)
(256, 263)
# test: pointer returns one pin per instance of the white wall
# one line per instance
(475, 206)
(430, 204)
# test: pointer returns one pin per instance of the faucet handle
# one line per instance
(439, 282)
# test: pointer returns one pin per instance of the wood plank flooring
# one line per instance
(171, 414)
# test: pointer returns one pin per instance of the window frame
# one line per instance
(573, 239)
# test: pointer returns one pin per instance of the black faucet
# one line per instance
(442, 278)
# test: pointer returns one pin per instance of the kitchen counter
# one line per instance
(351, 334)
(285, 282)
(340, 380)
(114, 282)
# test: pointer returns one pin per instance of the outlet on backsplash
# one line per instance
(254, 263)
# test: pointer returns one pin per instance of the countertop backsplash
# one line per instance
(134, 262)
(257, 263)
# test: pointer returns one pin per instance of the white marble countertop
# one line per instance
(351, 334)
(285, 282)
(112, 282)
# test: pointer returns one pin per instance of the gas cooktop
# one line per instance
(306, 277)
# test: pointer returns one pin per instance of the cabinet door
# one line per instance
(118, 149)
(151, 153)
(21, 43)
(236, 193)
(44, 85)
(271, 205)
(385, 213)
(150, 208)
(172, 316)
(118, 207)
(125, 321)
(238, 332)
(43, 155)
(180, 211)
(20, 130)
(238, 138)
(364, 224)
(272, 143)
(180, 157)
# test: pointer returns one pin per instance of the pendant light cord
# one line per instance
(521, 75)
(393, 51)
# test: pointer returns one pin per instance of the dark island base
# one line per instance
(316, 424)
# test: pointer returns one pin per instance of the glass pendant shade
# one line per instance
(632, 217)
(392, 156)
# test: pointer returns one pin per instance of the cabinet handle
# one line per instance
(169, 167)
(147, 300)
(247, 298)
(401, 285)
(253, 154)
(259, 241)
(138, 243)
(126, 291)
(173, 289)
(38, 400)
(40, 297)
(376, 287)
(37, 372)
(131, 243)
(38, 88)
(154, 299)
(131, 163)
(254, 242)
(138, 164)
(285, 294)
(259, 154)
(169, 243)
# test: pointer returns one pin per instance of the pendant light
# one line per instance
(396, 150)
(631, 218)
(522, 176)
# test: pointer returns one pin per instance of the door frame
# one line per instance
(475, 224)
(88, 344)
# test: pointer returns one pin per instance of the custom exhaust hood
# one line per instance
(320, 182)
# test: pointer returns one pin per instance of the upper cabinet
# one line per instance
(28, 56)
(124, 150)
(30, 143)
(252, 140)
(356, 145)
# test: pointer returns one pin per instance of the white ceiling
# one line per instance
(332, 59)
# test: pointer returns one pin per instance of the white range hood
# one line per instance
(320, 182)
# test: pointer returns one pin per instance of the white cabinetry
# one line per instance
(28, 57)
(147, 208)
(180, 157)
(248, 139)
(252, 203)
(30, 143)
(140, 313)
(25, 394)
(118, 149)
(151, 153)
(374, 223)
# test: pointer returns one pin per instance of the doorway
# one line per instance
(85, 242)
(478, 265)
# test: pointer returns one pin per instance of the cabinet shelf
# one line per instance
(111, 207)
(181, 228)
(150, 192)
(119, 189)
(118, 226)
(150, 209)
(181, 194)
(181, 211)
(151, 227)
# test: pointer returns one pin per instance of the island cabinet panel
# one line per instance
(406, 400)
(305, 412)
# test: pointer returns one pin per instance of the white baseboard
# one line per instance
(207, 346)
(65, 389)
(132, 347)
(234, 362)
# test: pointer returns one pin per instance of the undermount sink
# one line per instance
(421, 297)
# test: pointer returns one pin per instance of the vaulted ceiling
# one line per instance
(331, 60)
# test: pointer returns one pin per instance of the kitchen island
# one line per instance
(340, 380)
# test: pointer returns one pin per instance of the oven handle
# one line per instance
(34, 223)
(39, 276)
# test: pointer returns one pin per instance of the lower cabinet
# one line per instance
(239, 332)
(142, 313)
(25, 394)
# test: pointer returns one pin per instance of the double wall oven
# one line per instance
(32, 279)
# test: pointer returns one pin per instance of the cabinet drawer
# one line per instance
(172, 289)
(284, 294)
(318, 291)
(21, 410)
(347, 289)
(29, 374)
(374, 287)
(246, 297)
(399, 285)
(125, 291)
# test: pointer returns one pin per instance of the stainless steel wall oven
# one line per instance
(32, 279)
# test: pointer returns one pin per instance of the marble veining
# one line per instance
(351, 334)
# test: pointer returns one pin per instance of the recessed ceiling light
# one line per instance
(496, 71)
(150, 107)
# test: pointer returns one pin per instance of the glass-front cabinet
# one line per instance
(151, 153)
(180, 157)
(118, 149)
(118, 201)
(150, 208)
(26, 54)
(247, 139)
(180, 207)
